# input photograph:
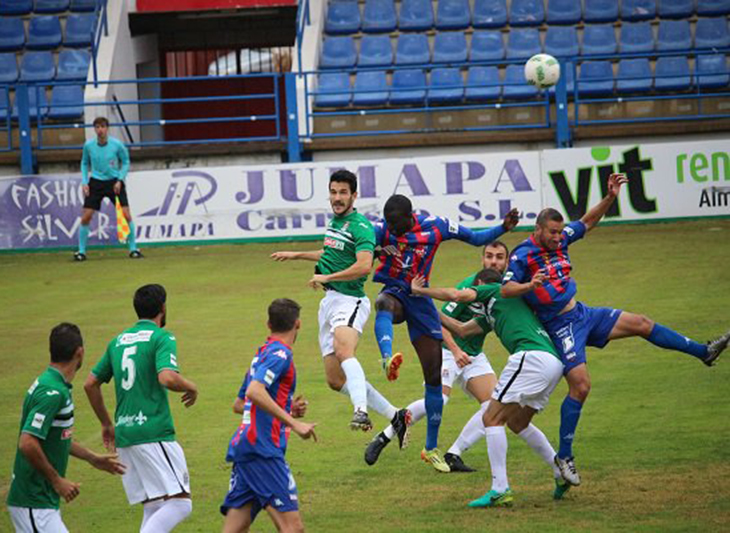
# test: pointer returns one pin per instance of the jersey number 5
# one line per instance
(128, 367)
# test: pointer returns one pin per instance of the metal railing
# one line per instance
(99, 29)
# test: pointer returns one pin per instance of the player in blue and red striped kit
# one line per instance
(260, 478)
(408, 244)
(539, 271)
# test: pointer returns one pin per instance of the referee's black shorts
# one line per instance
(100, 189)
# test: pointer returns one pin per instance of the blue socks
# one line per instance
(384, 333)
(132, 238)
(569, 416)
(671, 340)
(434, 408)
(83, 237)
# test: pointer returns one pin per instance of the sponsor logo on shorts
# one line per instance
(278, 502)
(445, 373)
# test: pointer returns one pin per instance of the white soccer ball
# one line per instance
(542, 71)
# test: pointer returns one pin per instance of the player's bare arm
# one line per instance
(512, 289)
(107, 462)
(294, 256)
(92, 387)
(445, 294)
(173, 381)
(256, 392)
(361, 267)
(460, 357)
(596, 213)
(30, 446)
(299, 406)
(238, 405)
(460, 329)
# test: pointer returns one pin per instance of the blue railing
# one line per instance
(99, 29)
(303, 20)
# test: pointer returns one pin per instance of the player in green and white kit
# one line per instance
(143, 362)
(532, 372)
(343, 265)
(46, 441)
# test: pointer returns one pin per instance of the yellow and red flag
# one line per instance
(122, 226)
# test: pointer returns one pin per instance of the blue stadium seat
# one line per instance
(37, 66)
(408, 87)
(82, 5)
(37, 103)
(561, 41)
(67, 102)
(79, 30)
(712, 33)
(412, 49)
(712, 71)
(16, 7)
(453, 15)
(370, 80)
(449, 47)
(50, 6)
(4, 104)
(634, 76)
(342, 18)
(599, 39)
(378, 16)
(636, 37)
(526, 13)
(672, 74)
(489, 14)
(333, 90)
(600, 11)
(638, 9)
(415, 15)
(712, 8)
(12, 34)
(338, 52)
(676, 9)
(375, 51)
(523, 43)
(486, 45)
(564, 12)
(8, 68)
(44, 33)
(515, 86)
(447, 86)
(483, 83)
(674, 35)
(73, 65)
(595, 78)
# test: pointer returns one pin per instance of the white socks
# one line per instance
(497, 448)
(472, 432)
(356, 386)
(150, 509)
(379, 404)
(418, 411)
(537, 440)
(167, 515)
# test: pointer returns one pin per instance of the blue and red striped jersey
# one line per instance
(402, 258)
(260, 433)
(529, 257)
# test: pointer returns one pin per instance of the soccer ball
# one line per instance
(542, 71)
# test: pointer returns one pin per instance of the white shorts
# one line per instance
(337, 309)
(451, 373)
(27, 520)
(154, 470)
(528, 379)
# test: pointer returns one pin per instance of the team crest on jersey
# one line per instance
(345, 226)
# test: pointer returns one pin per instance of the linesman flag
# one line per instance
(122, 226)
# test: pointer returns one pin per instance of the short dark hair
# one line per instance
(149, 299)
(496, 243)
(65, 339)
(345, 176)
(488, 275)
(548, 214)
(101, 120)
(397, 205)
(283, 314)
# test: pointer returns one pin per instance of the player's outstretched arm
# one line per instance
(293, 256)
(173, 381)
(512, 289)
(446, 294)
(485, 236)
(360, 268)
(107, 463)
(256, 392)
(92, 387)
(30, 447)
(596, 213)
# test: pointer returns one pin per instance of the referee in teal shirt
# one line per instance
(107, 159)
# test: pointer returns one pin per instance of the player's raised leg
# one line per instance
(388, 311)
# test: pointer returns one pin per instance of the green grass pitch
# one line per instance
(652, 446)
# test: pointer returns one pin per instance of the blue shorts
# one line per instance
(419, 313)
(582, 326)
(263, 482)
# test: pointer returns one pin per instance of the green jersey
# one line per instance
(345, 237)
(134, 359)
(48, 413)
(463, 312)
(514, 323)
